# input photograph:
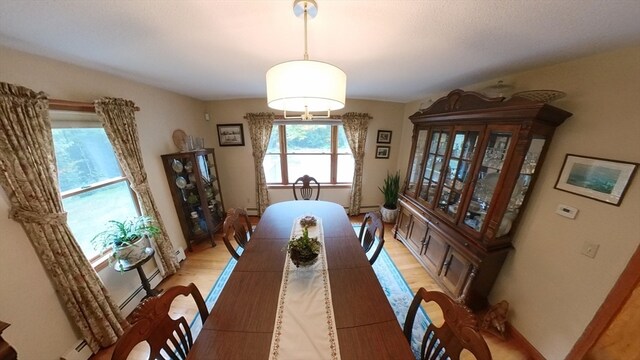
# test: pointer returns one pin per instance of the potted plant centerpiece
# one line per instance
(127, 239)
(304, 250)
(390, 189)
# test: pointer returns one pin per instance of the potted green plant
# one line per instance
(390, 189)
(127, 239)
(303, 250)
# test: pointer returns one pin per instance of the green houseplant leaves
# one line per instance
(390, 189)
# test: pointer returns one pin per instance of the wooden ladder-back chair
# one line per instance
(458, 332)
(236, 226)
(167, 338)
(372, 228)
(306, 190)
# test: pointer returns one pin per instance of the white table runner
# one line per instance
(305, 326)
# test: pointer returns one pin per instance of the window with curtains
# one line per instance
(93, 187)
(318, 150)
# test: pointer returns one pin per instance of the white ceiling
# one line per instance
(390, 50)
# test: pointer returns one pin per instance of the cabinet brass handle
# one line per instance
(446, 265)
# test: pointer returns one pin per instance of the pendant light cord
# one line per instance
(306, 54)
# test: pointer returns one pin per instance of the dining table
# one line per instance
(242, 323)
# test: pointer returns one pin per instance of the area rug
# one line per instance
(393, 284)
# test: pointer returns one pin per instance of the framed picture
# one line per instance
(230, 135)
(384, 137)
(599, 179)
(382, 152)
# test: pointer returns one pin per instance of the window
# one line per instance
(91, 182)
(318, 150)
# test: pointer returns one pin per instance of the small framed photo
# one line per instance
(382, 152)
(384, 137)
(230, 135)
(599, 179)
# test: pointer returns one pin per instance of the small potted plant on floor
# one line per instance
(390, 189)
(303, 250)
(127, 239)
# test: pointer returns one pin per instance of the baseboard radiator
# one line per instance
(81, 350)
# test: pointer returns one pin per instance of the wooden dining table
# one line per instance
(241, 324)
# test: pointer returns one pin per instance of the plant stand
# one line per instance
(124, 265)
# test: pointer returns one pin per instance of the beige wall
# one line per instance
(27, 300)
(237, 174)
(553, 290)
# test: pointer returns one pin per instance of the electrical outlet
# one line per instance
(590, 249)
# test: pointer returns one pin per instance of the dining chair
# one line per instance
(151, 323)
(306, 190)
(237, 226)
(372, 228)
(459, 330)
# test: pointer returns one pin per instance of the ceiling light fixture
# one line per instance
(306, 86)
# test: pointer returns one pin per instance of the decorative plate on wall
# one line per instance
(180, 139)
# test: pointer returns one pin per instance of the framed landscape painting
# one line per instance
(230, 135)
(599, 179)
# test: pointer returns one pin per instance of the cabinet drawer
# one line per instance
(434, 251)
(455, 271)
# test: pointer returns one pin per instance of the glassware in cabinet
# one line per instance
(474, 162)
(195, 189)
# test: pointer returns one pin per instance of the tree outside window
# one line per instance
(318, 150)
(91, 182)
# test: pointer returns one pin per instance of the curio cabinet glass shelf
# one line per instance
(195, 188)
(474, 161)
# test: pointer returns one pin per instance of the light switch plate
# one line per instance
(566, 211)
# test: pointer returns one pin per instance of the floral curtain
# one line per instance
(260, 126)
(29, 177)
(118, 119)
(355, 127)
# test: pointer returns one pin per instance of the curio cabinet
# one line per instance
(195, 188)
(473, 164)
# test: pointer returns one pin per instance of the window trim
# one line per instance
(284, 166)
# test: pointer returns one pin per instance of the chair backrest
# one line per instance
(167, 338)
(372, 227)
(306, 190)
(458, 332)
(237, 226)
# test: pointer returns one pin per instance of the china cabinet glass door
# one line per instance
(195, 190)
(432, 175)
(522, 185)
(499, 143)
(416, 166)
(457, 173)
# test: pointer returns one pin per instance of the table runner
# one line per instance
(305, 326)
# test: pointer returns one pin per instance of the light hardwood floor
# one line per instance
(204, 265)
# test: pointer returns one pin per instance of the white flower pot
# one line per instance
(132, 253)
(388, 215)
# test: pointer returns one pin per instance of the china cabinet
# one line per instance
(195, 188)
(474, 161)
